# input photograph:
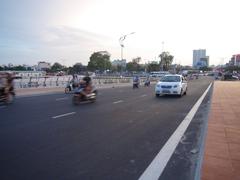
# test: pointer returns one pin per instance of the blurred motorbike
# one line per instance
(70, 87)
(80, 96)
(147, 83)
(135, 84)
(7, 97)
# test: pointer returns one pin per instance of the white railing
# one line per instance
(62, 81)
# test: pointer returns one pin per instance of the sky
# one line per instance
(69, 31)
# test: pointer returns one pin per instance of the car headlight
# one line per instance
(175, 86)
(158, 85)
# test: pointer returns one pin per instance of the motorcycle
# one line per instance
(147, 83)
(135, 84)
(70, 87)
(80, 96)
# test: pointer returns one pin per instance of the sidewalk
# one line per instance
(35, 91)
(222, 147)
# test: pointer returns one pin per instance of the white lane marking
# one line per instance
(116, 102)
(62, 115)
(61, 99)
(155, 169)
(144, 95)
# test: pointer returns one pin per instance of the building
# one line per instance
(117, 62)
(204, 62)
(235, 60)
(200, 59)
(43, 66)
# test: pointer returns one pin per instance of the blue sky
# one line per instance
(68, 31)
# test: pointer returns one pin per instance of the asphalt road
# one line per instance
(117, 137)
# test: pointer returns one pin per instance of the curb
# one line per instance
(203, 141)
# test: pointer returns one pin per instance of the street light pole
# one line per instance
(121, 51)
(162, 54)
(121, 39)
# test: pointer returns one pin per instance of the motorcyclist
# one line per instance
(74, 81)
(3, 84)
(147, 81)
(10, 83)
(85, 86)
(6, 86)
(136, 81)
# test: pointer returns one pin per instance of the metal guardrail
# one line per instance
(62, 81)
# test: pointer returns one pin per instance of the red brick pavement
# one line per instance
(222, 148)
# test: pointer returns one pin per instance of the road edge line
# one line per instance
(63, 115)
(158, 164)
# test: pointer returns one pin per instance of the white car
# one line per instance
(171, 85)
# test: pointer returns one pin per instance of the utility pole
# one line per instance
(121, 39)
(161, 65)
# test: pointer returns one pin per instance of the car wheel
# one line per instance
(157, 95)
(67, 90)
(185, 93)
(181, 93)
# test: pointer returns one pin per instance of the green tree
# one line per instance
(18, 68)
(166, 60)
(99, 61)
(136, 60)
(77, 68)
(232, 68)
(133, 66)
(57, 67)
(205, 68)
(153, 66)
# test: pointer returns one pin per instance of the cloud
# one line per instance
(51, 44)
(69, 37)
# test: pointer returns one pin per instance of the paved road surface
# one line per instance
(117, 137)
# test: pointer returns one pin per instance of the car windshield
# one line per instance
(170, 79)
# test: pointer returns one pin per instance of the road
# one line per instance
(117, 137)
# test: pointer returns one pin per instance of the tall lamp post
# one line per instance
(121, 39)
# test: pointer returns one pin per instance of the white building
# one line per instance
(43, 66)
(199, 58)
(118, 62)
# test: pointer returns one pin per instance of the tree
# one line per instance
(134, 65)
(99, 61)
(57, 67)
(136, 60)
(232, 68)
(77, 68)
(166, 60)
(130, 67)
(19, 68)
(205, 68)
(153, 66)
